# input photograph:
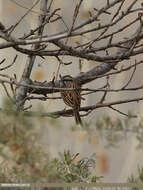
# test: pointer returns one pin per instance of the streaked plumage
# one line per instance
(72, 98)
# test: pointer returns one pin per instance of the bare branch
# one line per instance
(21, 92)
(104, 37)
(4, 68)
(29, 10)
(69, 112)
(122, 112)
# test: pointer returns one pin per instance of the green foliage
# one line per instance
(111, 129)
(73, 169)
(115, 130)
(20, 152)
(138, 179)
(23, 158)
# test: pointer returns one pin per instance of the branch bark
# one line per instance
(21, 91)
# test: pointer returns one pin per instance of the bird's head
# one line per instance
(65, 79)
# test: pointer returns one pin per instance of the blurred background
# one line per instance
(114, 164)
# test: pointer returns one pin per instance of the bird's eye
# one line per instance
(64, 82)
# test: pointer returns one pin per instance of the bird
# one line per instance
(72, 98)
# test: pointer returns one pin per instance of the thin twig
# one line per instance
(131, 77)
(134, 116)
(29, 10)
(14, 60)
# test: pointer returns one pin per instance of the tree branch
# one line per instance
(21, 91)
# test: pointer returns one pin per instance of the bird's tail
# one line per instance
(77, 117)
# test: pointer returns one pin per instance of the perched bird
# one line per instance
(72, 98)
